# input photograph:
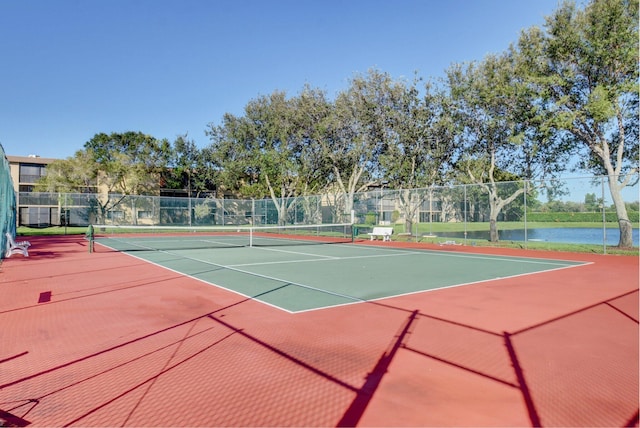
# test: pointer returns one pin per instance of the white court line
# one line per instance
(293, 252)
(559, 263)
(322, 260)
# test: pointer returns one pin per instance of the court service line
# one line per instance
(322, 260)
(294, 252)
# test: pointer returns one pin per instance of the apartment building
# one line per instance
(25, 172)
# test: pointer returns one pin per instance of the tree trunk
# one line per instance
(626, 234)
(408, 225)
(493, 228)
(409, 203)
(494, 209)
(626, 231)
(283, 210)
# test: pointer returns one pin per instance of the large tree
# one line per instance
(586, 65)
(359, 132)
(127, 163)
(499, 117)
(311, 112)
(422, 148)
(76, 174)
(263, 152)
(190, 169)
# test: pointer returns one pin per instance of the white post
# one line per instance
(604, 220)
(526, 182)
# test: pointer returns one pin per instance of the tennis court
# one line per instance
(237, 329)
(298, 272)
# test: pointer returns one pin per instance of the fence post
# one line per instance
(604, 219)
(89, 236)
(526, 183)
(465, 214)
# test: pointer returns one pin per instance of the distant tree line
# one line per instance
(566, 91)
(591, 204)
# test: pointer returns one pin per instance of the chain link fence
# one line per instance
(578, 210)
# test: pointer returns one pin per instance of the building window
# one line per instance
(31, 173)
(145, 214)
(115, 215)
(35, 216)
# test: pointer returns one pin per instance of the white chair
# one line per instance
(14, 247)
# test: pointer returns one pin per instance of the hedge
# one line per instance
(634, 217)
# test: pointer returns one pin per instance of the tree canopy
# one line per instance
(585, 69)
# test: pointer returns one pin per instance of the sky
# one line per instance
(70, 69)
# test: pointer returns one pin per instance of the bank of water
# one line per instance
(568, 235)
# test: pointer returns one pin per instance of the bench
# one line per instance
(450, 243)
(14, 247)
(384, 232)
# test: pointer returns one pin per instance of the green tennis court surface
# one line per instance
(297, 277)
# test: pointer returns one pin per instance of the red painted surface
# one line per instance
(120, 342)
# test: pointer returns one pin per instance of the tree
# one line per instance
(498, 118)
(586, 65)
(77, 174)
(127, 163)
(190, 169)
(592, 203)
(262, 152)
(422, 149)
(358, 132)
(130, 162)
(311, 113)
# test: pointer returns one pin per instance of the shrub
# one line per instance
(561, 217)
(370, 218)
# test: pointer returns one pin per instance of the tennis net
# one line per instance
(167, 238)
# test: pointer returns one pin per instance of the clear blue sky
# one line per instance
(72, 68)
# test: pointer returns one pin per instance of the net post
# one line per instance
(89, 236)
(250, 237)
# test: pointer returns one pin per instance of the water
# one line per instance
(570, 235)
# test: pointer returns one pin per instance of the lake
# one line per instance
(572, 235)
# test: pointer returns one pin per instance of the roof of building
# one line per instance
(30, 159)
